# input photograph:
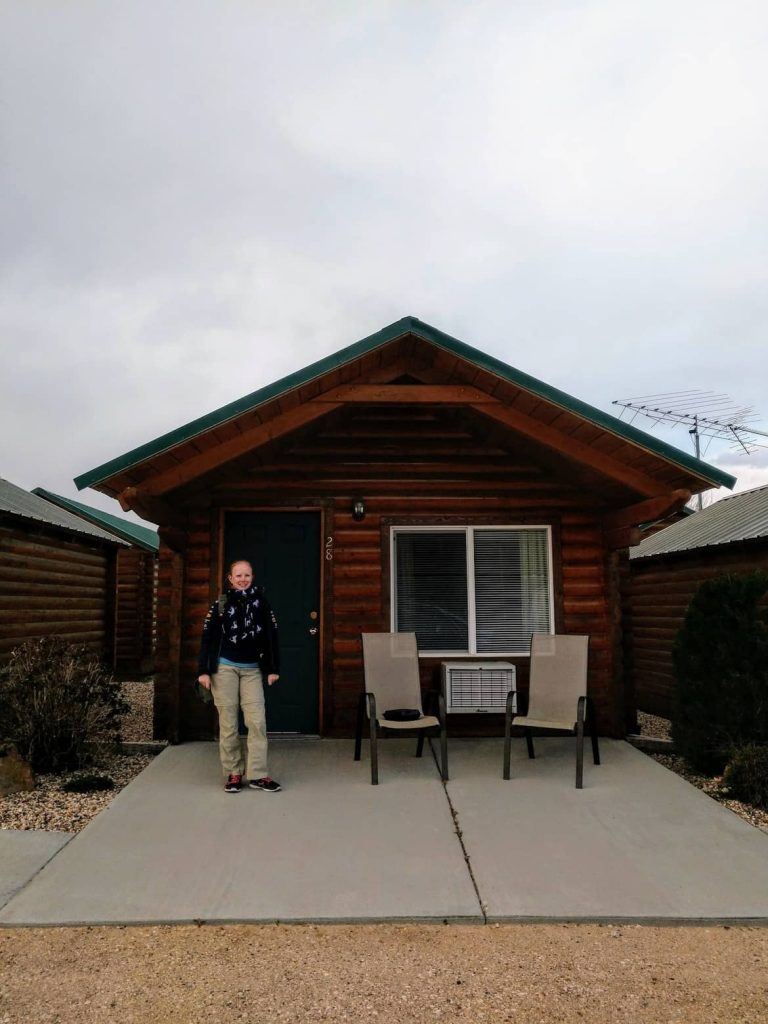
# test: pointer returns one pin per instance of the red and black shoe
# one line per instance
(233, 784)
(266, 785)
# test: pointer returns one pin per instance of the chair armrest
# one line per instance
(370, 700)
(581, 709)
(510, 702)
(441, 707)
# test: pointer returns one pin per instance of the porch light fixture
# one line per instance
(358, 509)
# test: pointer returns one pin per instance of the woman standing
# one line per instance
(239, 647)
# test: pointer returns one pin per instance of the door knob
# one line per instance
(313, 630)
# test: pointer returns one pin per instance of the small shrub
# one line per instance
(721, 665)
(58, 705)
(746, 777)
(87, 782)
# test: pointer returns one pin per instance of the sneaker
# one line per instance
(233, 784)
(266, 785)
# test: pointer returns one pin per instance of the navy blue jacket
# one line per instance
(245, 630)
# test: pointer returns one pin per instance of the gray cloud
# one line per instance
(201, 197)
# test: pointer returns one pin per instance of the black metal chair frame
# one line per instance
(585, 716)
(367, 699)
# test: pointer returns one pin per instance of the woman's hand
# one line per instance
(205, 680)
(272, 679)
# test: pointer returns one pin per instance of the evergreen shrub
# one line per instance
(746, 777)
(721, 664)
(58, 705)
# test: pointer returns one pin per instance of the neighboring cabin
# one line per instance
(136, 585)
(72, 571)
(407, 482)
(666, 570)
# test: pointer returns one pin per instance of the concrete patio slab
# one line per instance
(638, 842)
(23, 852)
(174, 847)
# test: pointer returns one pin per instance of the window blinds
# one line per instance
(432, 589)
(511, 588)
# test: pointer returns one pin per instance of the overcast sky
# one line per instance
(200, 197)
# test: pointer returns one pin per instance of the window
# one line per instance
(473, 589)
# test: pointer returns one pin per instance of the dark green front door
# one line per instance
(284, 550)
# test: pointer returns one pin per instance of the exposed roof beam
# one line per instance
(153, 509)
(219, 454)
(411, 394)
(577, 450)
(643, 511)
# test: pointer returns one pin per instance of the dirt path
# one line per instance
(383, 973)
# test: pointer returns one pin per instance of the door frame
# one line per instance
(325, 597)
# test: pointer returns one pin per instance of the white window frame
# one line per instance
(469, 532)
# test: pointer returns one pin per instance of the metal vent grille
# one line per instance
(478, 688)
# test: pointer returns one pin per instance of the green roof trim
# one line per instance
(144, 536)
(408, 325)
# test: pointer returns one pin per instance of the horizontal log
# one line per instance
(10, 582)
(591, 571)
(368, 570)
(78, 554)
(34, 630)
(355, 591)
(56, 597)
(27, 565)
(61, 612)
(356, 537)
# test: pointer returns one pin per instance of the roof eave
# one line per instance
(407, 325)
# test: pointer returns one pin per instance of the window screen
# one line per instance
(511, 588)
(431, 595)
(510, 591)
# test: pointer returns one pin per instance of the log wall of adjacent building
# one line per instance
(135, 624)
(53, 585)
(405, 469)
(659, 592)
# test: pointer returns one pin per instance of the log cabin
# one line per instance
(408, 482)
(135, 580)
(57, 575)
(666, 570)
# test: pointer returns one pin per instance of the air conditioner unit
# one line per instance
(478, 687)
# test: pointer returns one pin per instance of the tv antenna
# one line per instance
(706, 414)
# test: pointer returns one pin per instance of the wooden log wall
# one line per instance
(406, 463)
(135, 612)
(54, 585)
(660, 590)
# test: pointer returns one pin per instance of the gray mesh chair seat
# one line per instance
(557, 697)
(391, 667)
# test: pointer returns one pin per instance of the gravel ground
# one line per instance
(137, 724)
(47, 807)
(387, 973)
(651, 725)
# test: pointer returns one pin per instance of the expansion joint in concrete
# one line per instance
(460, 836)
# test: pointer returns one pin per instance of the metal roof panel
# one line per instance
(738, 517)
(22, 503)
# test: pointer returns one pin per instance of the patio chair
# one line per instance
(557, 697)
(391, 664)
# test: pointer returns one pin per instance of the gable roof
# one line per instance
(742, 516)
(413, 326)
(27, 505)
(142, 536)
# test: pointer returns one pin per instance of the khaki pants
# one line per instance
(234, 688)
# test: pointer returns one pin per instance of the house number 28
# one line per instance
(329, 549)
